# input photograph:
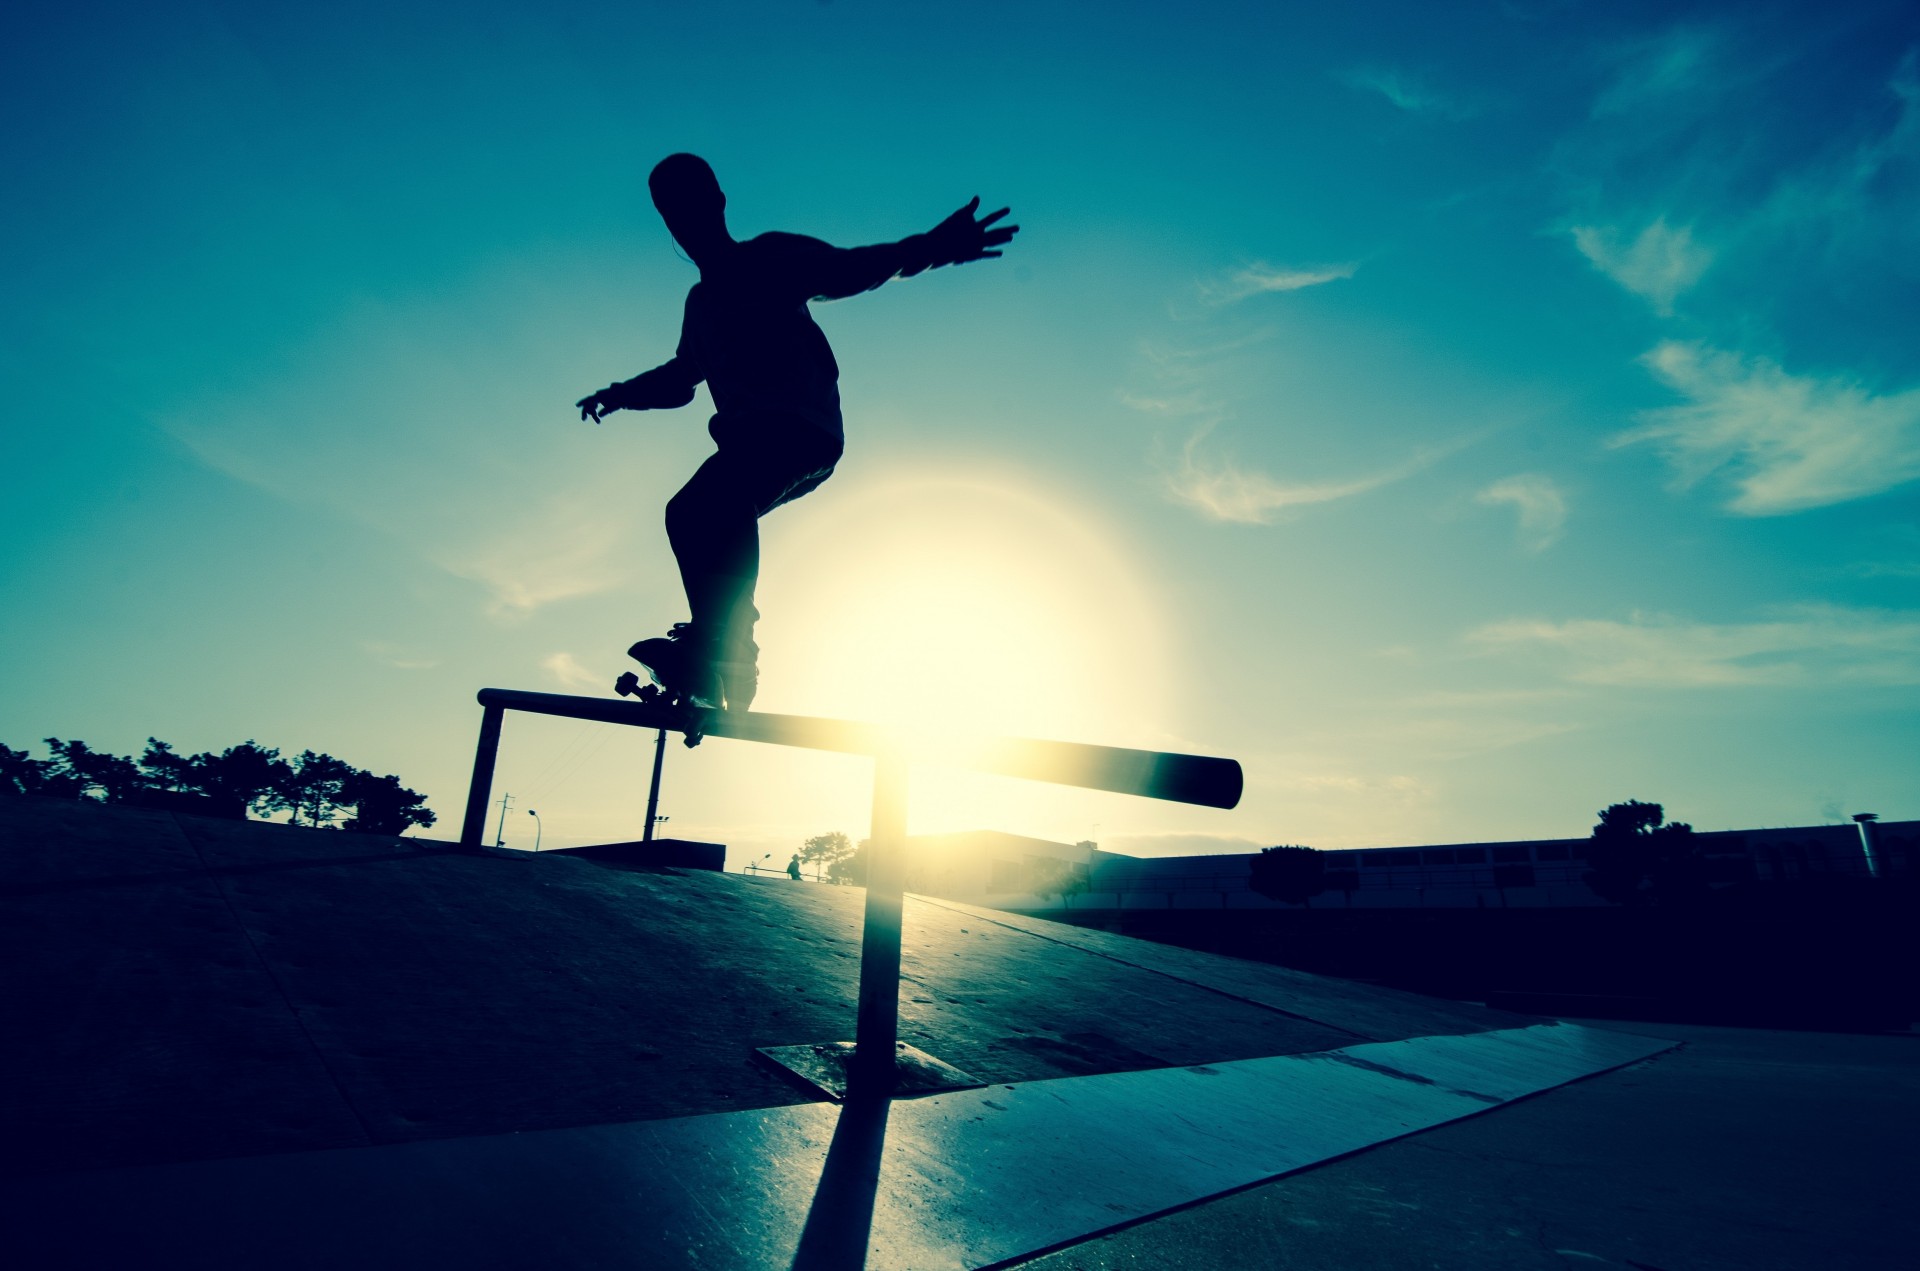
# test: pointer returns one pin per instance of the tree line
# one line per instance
(1635, 857)
(837, 859)
(249, 779)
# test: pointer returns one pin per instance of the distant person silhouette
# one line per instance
(775, 388)
(793, 868)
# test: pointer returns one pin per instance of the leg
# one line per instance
(712, 524)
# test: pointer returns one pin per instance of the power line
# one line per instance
(584, 730)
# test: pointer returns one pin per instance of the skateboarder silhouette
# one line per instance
(775, 388)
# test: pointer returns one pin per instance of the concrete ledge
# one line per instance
(679, 853)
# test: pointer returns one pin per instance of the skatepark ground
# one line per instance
(211, 1023)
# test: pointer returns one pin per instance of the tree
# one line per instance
(314, 787)
(250, 774)
(1055, 877)
(1290, 875)
(381, 805)
(20, 774)
(162, 769)
(243, 779)
(93, 774)
(825, 851)
(1636, 857)
(177, 783)
(852, 868)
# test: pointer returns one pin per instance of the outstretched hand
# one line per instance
(961, 238)
(593, 406)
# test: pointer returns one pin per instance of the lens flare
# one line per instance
(948, 607)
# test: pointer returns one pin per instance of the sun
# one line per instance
(945, 604)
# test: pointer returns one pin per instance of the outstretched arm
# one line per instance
(960, 238)
(664, 387)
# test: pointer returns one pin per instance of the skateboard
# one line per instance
(658, 691)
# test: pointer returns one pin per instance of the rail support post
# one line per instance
(474, 828)
(877, 1028)
(653, 787)
(876, 1063)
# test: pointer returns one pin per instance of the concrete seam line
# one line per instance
(273, 978)
(1179, 979)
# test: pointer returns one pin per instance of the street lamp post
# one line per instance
(1865, 821)
(536, 828)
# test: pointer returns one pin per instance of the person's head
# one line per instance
(690, 202)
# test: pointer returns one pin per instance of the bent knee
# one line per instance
(702, 513)
(685, 511)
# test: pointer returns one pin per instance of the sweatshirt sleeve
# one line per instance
(821, 271)
(665, 387)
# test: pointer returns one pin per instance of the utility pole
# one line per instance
(500, 834)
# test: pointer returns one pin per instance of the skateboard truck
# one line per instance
(649, 694)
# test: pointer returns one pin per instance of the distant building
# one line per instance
(988, 867)
(1008, 871)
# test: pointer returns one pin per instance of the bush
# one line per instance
(1290, 875)
(1637, 857)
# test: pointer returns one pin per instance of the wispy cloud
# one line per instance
(1353, 783)
(571, 548)
(1451, 724)
(1224, 491)
(398, 656)
(1808, 646)
(1541, 505)
(1193, 383)
(568, 673)
(1886, 569)
(1858, 197)
(1659, 263)
(418, 417)
(1410, 93)
(1446, 738)
(1649, 71)
(1486, 699)
(525, 558)
(1260, 278)
(1703, 155)
(1186, 403)
(1788, 442)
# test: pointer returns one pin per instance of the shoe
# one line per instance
(739, 680)
(680, 666)
(738, 662)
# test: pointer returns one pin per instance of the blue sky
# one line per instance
(1467, 416)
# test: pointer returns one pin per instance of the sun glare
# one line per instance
(944, 606)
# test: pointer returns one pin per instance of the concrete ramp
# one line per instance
(972, 1179)
(235, 1045)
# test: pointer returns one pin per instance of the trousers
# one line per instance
(759, 463)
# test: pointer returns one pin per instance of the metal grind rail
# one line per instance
(871, 1069)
